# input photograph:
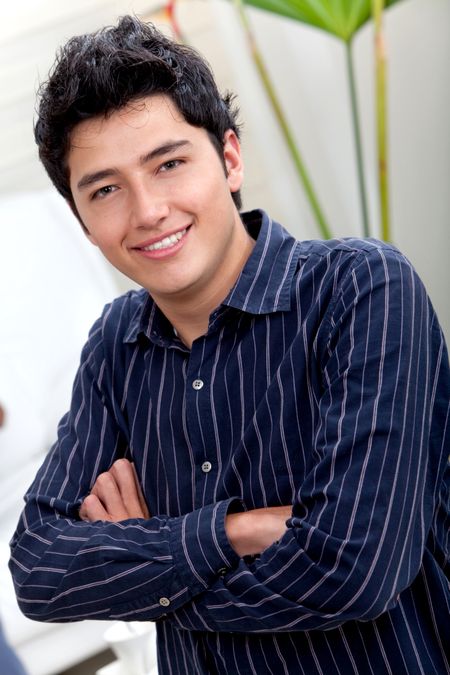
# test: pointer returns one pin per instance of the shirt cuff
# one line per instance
(200, 546)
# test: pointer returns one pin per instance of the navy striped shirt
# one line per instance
(322, 381)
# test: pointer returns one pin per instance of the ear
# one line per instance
(233, 160)
(74, 210)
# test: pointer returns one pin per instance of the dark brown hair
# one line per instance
(98, 73)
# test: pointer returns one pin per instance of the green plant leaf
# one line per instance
(341, 18)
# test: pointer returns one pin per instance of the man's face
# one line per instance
(153, 195)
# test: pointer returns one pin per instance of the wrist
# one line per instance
(236, 531)
(251, 532)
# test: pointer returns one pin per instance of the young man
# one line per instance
(256, 448)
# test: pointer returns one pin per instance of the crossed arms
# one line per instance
(359, 519)
(117, 496)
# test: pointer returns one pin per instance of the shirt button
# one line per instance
(164, 602)
(206, 467)
(197, 384)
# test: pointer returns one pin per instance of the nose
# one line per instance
(148, 208)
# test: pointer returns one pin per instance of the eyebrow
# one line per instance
(164, 149)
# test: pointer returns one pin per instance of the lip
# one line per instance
(160, 237)
(162, 252)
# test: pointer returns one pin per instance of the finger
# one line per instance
(92, 509)
(142, 501)
(125, 476)
(108, 492)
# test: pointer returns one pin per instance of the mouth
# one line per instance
(169, 241)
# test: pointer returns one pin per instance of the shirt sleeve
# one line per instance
(65, 569)
(362, 516)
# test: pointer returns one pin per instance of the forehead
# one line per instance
(142, 114)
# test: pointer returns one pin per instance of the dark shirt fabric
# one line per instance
(322, 381)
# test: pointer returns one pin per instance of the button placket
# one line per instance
(199, 417)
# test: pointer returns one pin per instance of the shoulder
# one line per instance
(347, 248)
(106, 353)
(120, 317)
(349, 277)
(343, 260)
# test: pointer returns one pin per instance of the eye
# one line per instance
(170, 165)
(103, 192)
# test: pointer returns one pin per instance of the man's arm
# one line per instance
(360, 520)
(67, 569)
(117, 496)
(362, 516)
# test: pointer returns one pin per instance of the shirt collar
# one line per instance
(263, 287)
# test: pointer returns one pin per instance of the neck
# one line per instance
(190, 323)
(189, 315)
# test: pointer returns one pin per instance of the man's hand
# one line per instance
(116, 495)
(253, 531)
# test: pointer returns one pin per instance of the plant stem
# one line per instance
(170, 11)
(357, 140)
(156, 13)
(380, 93)
(281, 118)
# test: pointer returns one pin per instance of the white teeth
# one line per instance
(166, 242)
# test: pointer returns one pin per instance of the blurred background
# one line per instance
(53, 284)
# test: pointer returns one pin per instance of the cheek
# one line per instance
(206, 185)
(103, 237)
(103, 225)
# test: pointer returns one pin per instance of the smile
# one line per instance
(167, 242)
